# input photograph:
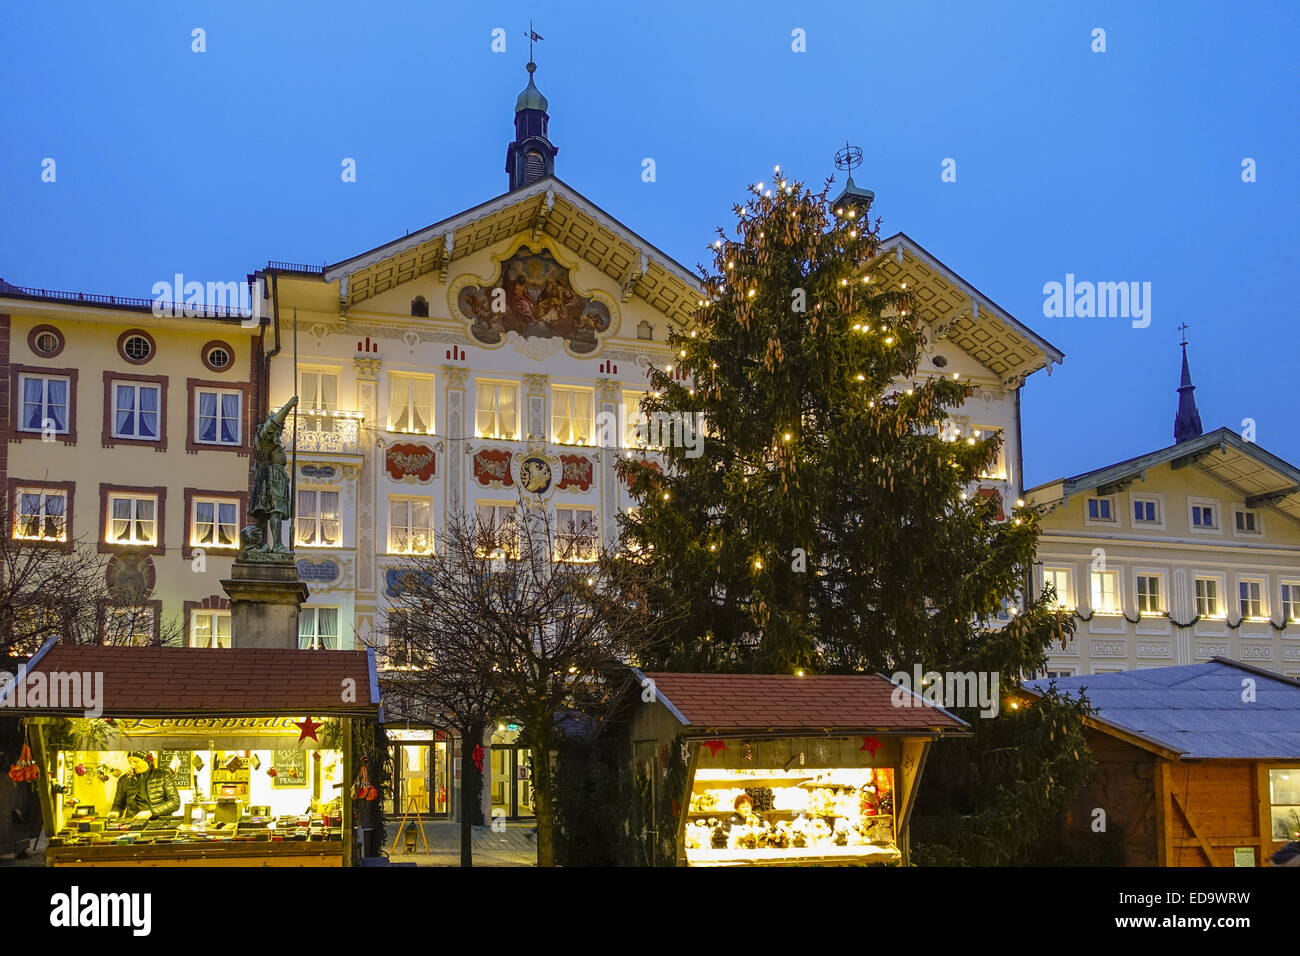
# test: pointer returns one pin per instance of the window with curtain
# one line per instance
(132, 519)
(410, 403)
(136, 410)
(575, 534)
(216, 523)
(128, 625)
(635, 430)
(44, 398)
(210, 629)
(410, 525)
(1105, 592)
(317, 522)
(571, 415)
(41, 515)
(319, 389)
(1062, 580)
(498, 528)
(218, 417)
(498, 410)
(318, 629)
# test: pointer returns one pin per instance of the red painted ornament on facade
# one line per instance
(575, 470)
(493, 466)
(631, 473)
(407, 459)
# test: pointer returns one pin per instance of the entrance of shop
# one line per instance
(419, 779)
(512, 781)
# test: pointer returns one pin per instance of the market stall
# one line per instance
(783, 769)
(197, 756)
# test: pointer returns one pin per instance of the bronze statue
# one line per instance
(270, 504)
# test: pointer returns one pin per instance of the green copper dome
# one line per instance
(531, 98)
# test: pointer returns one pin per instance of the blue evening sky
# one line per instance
(1115, 166)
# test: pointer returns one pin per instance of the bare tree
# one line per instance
(522, 617)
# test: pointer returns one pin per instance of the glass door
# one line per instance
(502, 771)
(523, 783)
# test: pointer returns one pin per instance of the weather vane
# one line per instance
(533, 37)
(849, 158)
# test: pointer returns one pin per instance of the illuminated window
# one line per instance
(571, 415)
(635, 431)
(44, 399)
(1105, 592)
(575, 534)
(1284, 803)
(215, 523)
(128, 625)
(318, 629)
(317, 523)
(1062, 581)
(1251, 599)
(997, 468)
(318, 390)
(1150, 594)
(497, 411)
(210, 629)
(410, 525)
(410, 403)
(135, 410)
(1207, 597)
(1291, 601)
(497, 529)
(41, 515)
(132, 519)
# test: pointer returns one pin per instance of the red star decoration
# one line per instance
(869, 744)
(307, 729)
(714, 746)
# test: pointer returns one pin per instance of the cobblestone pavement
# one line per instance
(516, 845)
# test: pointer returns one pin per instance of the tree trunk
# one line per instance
(471, 789)
(540, 740)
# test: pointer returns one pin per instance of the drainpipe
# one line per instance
(266, 376)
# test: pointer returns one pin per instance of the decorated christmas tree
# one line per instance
(830, 522)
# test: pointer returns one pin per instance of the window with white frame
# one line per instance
(410, 525)
(210, 629)
(317, 523)
(1290, 605)
(218, 416)
(1250, 598)
(1208, 591)
(318, 629)
(136, 409)
(44, 399)
(1101, 509)
(575, 534)
(410, 403)
(1105, 592)
(497, 410)
(132, 519)
(128, 626)
(571, 416)
(215, 523)
(318, 389)
(497, 528)
(1146, 511)
(1205, 514)
(1061, 580)
(997, 468)
(40, 514)
(1150, 593)
(635, 432)
(398, 648)
(1245, 521)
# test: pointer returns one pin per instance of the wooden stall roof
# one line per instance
(169, 681)
(799, 705)
(1197, 711)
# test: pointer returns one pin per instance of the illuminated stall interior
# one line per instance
(784, 769)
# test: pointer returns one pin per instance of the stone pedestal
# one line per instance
(264, 600)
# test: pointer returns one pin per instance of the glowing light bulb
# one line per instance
(666, 496)
(787, 436)
(861, 377)
(889, 340)
(758, 563)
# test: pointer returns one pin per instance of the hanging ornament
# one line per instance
(257, 762)
(79, 770)
(273, 772)
(748, 753)
(363, 790)
(869, 744)
(198, 763)
(315, 755)
(715, 746)
(307, 729)
(478, 757)
(25, 770)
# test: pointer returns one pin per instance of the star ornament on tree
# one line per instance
(307, 728)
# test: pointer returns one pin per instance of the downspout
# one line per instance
(266, 375)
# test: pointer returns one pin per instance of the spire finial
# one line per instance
(1183, 329)
(533, 37)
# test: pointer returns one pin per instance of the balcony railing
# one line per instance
(325, 432)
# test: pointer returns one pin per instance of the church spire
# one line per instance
(1187, 423)
(531, 156)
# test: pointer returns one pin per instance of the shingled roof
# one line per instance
(784, 702)
(1196, 710)
(166, 681)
